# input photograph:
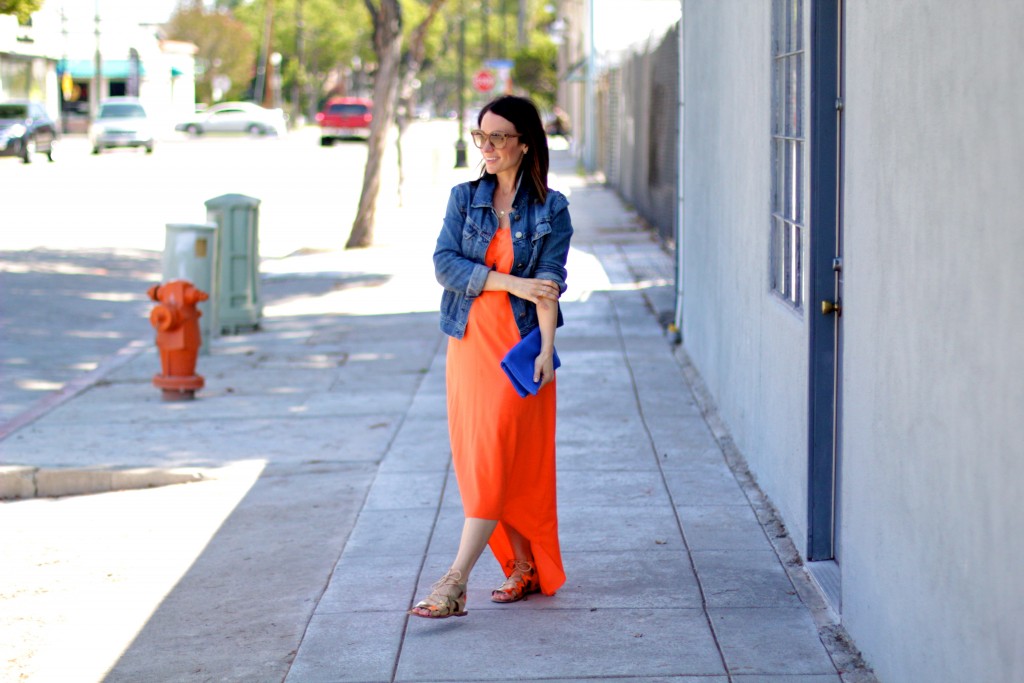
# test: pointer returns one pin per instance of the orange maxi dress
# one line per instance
(503, 446)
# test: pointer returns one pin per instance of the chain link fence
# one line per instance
(638, 130)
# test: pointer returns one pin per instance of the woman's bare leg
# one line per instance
(521, 547)
(475, 535)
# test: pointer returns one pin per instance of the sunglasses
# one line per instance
(497, 138)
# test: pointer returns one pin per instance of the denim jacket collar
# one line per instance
(483, 197)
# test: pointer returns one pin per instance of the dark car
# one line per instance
(344, 117)
(26, 129)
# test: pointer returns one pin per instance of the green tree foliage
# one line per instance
(20, 8)
(226, 47)
(335, 35)
(535, 72)
(492, 29)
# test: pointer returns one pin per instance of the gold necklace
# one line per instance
(501, 214)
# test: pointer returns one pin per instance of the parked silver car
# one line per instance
(121, 122)
(235, 117)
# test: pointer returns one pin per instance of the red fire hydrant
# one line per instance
(176, 320)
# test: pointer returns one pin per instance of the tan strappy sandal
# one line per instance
(447, 598)
(522, 581)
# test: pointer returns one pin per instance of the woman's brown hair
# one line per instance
(522, 113)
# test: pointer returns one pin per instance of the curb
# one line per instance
(22, 482)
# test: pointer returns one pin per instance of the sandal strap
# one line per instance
(453, 577)
(517, 580)
(448, 602)
(521, 566)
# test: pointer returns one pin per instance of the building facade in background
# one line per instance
(29, 56)
(52, 59)
(847, 230)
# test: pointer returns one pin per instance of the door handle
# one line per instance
(830, 307)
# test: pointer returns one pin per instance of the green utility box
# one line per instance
(238, 280)
(190, 253)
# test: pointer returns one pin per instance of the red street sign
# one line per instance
(483, 81)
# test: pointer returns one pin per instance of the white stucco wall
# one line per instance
(933, 543)
(750, 349)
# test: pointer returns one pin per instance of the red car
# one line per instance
(344, 117)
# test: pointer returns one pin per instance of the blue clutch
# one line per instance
(518, 363)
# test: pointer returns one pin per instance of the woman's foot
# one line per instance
(447, 599)
(521, 581)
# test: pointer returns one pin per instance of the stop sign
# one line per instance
(483, 80)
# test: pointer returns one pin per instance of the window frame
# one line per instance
(789, 152)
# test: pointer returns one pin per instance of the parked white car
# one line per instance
(121, 122)
(235, 117)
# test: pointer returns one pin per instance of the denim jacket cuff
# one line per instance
(477, 280)
(554, 277)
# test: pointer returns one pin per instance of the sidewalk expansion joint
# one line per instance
(661, 472)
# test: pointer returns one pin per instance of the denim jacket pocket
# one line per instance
(471, 230)
(540, 232)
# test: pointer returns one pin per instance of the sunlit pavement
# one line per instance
(327, 505)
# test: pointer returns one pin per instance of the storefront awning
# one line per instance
(83, 69)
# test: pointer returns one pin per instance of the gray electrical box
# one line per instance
(190, 253)
(237, 292)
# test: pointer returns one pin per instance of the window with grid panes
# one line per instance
(788, 150)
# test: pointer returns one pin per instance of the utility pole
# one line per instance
(260, 89)
(97, 72)
(504, 28)
(522, 23)
(300, 58)
(589, 99)
(485, 19)
(66, 84)
(460, 144)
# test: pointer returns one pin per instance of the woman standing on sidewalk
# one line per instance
(501, 260)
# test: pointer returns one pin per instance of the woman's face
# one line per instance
(508, 157)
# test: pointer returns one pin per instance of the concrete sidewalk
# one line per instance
(328, 504)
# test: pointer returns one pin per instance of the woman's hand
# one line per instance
(532, 289)
(544, 368)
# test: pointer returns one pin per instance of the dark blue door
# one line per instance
(825, 309)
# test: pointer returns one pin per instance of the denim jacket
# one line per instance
(540, 244)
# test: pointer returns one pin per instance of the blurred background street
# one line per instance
(83, 242)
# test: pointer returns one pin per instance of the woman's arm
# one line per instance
(543, 293)
(547, 319)
(551, 269)
(528, 288)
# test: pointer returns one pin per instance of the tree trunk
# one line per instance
(389, 84)
(387, 39)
